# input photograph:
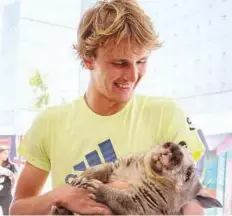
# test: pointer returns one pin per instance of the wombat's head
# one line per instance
(173, 165)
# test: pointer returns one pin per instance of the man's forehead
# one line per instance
(123, 50)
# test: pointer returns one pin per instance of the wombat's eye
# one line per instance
(183, 143)
(188, 173)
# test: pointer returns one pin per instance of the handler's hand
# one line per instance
(78, 200)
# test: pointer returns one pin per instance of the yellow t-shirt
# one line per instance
(68, 139)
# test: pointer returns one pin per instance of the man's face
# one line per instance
(117, 69)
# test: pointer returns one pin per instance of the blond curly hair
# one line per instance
(115, 20)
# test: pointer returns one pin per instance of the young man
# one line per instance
(115, 39)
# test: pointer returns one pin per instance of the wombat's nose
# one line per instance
(176, 153)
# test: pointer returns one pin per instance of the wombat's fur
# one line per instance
(160, 181)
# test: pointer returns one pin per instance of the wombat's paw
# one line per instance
(79, 182)
(96, 188)
(168, 157)
(55, 210)
(93, 185)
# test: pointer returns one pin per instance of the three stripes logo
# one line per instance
(93, 159)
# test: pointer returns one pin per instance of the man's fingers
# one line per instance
(102, 211)
(97, 211)
(93, 203)
(90, 206)
(96, 208)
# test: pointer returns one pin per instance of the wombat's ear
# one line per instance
(206, 200)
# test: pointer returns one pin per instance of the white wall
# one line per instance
(194, 64)
(47, 31)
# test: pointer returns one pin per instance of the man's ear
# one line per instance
(206, 200)
(88, 62)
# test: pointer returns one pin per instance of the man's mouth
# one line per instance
(123, 86)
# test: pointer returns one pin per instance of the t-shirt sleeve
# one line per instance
(35, 144)
(177, 127)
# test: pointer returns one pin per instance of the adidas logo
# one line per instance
(93, 158)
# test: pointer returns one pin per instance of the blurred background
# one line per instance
(39, 68)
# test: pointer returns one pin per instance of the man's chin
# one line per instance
(123, 99)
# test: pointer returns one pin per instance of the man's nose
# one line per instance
(131, 74)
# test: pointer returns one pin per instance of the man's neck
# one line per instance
(101, 105)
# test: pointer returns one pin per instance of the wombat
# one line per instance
(160, 182)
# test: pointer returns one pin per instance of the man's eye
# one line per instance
(142, 62)
(119, 63)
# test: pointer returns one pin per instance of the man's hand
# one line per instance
(28, 201)
(78, 200)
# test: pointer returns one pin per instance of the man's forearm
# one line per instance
(33, 205)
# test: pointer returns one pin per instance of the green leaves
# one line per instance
(40, 90)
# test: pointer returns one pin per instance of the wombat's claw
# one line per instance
(92, 196)
(79, 182)
(96, 189)
(93, 185)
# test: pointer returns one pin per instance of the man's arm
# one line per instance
(29, 185)
(28, 201)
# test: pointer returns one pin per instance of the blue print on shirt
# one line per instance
(93, 159)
